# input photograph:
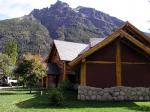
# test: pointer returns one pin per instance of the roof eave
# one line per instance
(108, 40)
(103, 43)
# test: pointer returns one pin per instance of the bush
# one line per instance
(56, 97)
(66, 85)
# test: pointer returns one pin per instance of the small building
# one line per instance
(121, 59)
(61, 53)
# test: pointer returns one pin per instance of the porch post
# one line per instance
(118, 64)
(83, 73)
(64, 74)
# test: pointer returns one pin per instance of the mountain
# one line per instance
(30, 35)
(35, 32)
(77, 24)
(147, 33)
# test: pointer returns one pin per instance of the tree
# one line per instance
(22, 71)
(5, 65)
(31, 69)
(11, 50)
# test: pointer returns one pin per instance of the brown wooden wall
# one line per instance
(51, 81)
(54, 58)
(64, 69)
(100, 75)
(60, 64)
(101, 67)
(108, 53)
(131, 54)
(134, 74)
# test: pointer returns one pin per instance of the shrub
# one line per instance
(56, 97)
(66, 85)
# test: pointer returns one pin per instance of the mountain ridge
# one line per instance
(35, 32)
(62, 17)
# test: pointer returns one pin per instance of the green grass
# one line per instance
(22, 101)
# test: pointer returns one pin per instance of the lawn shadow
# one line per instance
(142, 108)
(39, 102)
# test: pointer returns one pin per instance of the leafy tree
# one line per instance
(5, 65)
(11, 50)
(31, 69)
(23, 70)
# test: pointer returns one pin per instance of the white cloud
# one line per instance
(135, 11)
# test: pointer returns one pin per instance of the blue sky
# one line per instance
(135, 11)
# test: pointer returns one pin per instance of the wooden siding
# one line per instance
(136, 75)
(51, 81)
(64, 69)
(118, 34)
(135, 67)
(128, 68)
(108, 53)
(101, 67)
(100, 75)
(54, 58)
(131, 53)
(60, 64)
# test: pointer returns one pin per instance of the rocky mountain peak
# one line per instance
(59, 5)
(66, 23)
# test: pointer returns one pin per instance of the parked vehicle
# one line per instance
(8, 81)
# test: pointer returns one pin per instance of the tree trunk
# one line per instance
(30, 90)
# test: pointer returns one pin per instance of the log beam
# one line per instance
(118, 64)
(83, 74)
(64, 74)
(100, 62)
(111, 62)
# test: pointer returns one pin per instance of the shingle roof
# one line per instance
(68, 50)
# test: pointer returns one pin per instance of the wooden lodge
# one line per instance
(121, 59)
(61, 54)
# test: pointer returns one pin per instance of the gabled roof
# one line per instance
(68, 50)
(128, 25)
(118, 34)
(93, 42)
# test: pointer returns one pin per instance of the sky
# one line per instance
(135, 11)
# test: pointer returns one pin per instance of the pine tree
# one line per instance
(5, 65)
(10, 49)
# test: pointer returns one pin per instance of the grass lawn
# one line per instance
(22, 101)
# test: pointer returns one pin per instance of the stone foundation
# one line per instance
(119, 93)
